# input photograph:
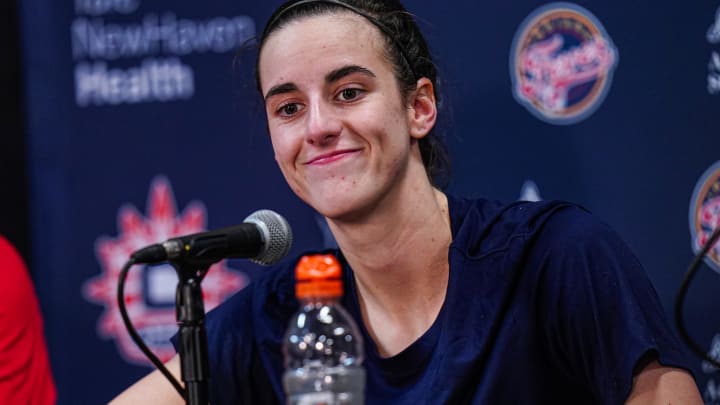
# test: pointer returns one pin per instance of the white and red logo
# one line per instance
(150, 290)
(705, 214)
(561, 63)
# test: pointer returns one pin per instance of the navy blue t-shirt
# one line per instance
(545, 304)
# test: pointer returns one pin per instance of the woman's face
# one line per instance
(337, 121)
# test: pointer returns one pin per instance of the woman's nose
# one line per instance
(323, 124)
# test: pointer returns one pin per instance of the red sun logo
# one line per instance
(150, 290)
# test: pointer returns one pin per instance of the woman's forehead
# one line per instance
(322, 29)
(311, 38)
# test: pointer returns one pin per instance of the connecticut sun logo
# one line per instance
(561, 63)
(705, 214)
(150, 290)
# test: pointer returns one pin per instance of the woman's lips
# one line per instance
(331, 157)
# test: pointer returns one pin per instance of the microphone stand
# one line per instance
(264, 237)
(192, 337)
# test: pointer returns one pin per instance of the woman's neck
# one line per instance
(400, 260)
(416, 227)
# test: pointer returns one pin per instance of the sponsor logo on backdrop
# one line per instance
(150, 290)
(561, 63)
(705, 214)
(125, 57)
(713, 37)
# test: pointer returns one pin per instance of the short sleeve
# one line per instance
(603, 318)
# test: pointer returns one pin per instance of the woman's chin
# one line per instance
(342, 207)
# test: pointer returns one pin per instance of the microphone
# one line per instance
(264, 237)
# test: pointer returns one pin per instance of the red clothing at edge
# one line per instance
(25, 375)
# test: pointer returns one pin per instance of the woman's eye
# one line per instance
(289, 109)
(349, 94)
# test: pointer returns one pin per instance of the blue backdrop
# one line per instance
(144, 123)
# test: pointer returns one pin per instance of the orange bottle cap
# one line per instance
(318, 276)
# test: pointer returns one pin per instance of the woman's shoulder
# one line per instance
(526, 214)
(485, 224)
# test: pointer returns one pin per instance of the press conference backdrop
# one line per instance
(144, 123)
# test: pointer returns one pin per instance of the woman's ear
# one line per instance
(422, 109)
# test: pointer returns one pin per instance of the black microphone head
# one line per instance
(276, 234)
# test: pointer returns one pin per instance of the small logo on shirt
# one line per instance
(561, 63)
(150, 290)
(705, 214)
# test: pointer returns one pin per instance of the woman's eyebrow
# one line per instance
(338, 74)
(331, 77)
(279, 89)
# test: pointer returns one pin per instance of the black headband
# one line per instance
(385, 30)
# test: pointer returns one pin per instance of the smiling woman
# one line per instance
(338, 121)
(459, 300)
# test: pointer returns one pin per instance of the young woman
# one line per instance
(460, 301)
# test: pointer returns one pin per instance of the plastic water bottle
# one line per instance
(322, 346)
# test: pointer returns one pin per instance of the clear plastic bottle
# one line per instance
(322, 346)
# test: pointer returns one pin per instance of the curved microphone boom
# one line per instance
(264, 237)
